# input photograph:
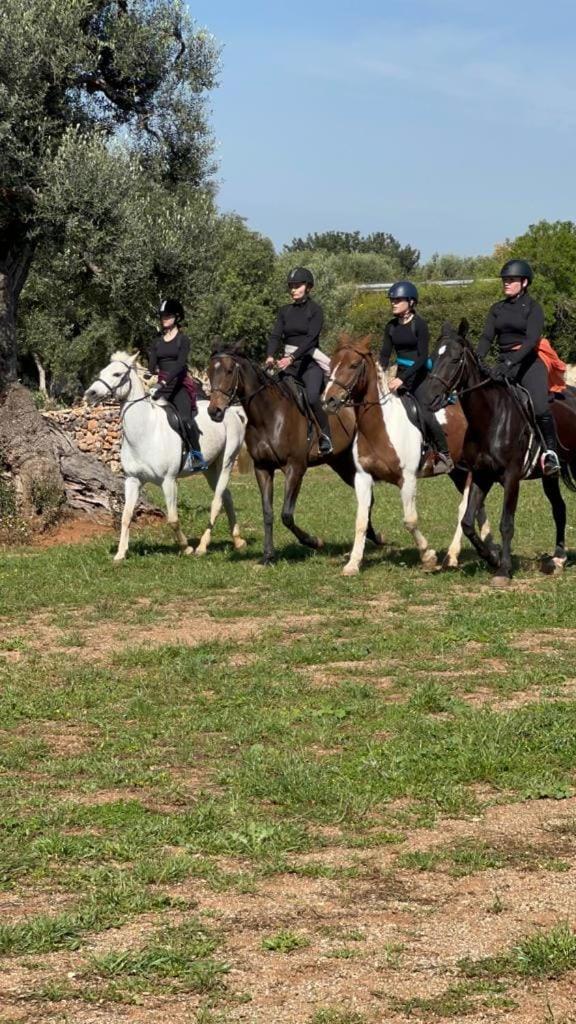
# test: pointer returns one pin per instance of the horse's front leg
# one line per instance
(511, 492)
(363, 485)
(131, 492)
(293, 476)
(480, 488)
(218, 475)
(265, 478)
(552, 564)
(408, 495)
(170, 488)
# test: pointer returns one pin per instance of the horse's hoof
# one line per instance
(317, 543)
(380, 539)
(190, 551)
(199, 552)
(264, 563)
(500, 582)
(449, 564)
(240, 544)
(552, 566)
(430, 561)
(118, 559)
(351, 570)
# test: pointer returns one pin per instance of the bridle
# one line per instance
(452, 386)
(114, 388)
(232, 395)
(348, 388)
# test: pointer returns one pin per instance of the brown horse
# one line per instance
(388, 446)
(502, 446)
(278, 436)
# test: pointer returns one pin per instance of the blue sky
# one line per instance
(450, 124)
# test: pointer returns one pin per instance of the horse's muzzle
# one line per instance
(91, 396)
(216, 414)
(331, 404)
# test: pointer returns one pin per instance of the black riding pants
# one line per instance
(181, 401)
(310, 374)
(533, 376)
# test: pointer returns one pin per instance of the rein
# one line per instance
(232, 395)
(349, 388)
(452, 386)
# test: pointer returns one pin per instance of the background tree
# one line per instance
(99, 67)
(379, 242)
(75, 75)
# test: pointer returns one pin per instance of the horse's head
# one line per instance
(449, 362)
(224, 377)
(348, 371)
(114, 380)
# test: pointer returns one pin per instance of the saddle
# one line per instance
(176, 422)
(298, 392)
(414, 414)
(535, 444)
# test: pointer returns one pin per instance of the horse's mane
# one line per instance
(121, 356)
(265, 379)
(362, 343)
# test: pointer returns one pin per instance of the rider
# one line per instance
(407, 333)
(517, 321)
(298, 325)
(169, 358)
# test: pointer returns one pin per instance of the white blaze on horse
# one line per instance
(152, 451)
(388, 447)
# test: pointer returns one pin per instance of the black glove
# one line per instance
(503, 371)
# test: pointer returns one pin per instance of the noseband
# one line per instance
(349, 388)
(233, 393)
(113, 388)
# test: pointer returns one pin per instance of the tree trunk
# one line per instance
(48, 472)
(41, 374)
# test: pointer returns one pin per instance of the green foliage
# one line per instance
(449, 267)
(285, 942)
(550, 246)
(379, 242)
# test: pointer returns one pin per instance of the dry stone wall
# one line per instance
(95, 429)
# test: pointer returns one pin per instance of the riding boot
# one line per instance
(443, 461)
(550, 461)
(325, 438)
(194, 461)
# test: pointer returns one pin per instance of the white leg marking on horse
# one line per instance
(408, 495)
(453, 553)
(363, 485)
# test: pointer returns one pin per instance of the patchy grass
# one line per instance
(259, 747)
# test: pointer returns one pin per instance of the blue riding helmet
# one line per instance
(403, 290)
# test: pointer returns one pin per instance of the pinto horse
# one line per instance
(500, 446)
(388, 447)
(278, 437)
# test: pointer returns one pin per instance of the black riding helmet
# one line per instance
(172, 307)
(300, 275)
(403, 290)
(517, 268)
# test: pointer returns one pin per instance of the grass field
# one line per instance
(234, 794)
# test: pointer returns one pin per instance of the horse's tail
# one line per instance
(568, 473)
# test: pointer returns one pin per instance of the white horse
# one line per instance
(152, 451)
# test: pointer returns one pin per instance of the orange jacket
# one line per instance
(556, 368)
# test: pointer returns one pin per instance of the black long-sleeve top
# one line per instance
(171, 358)
(409, 341)
(299, 324)
(518, 324)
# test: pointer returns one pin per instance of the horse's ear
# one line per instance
(216, 344)
(134, 358)
(447, 327)
(463, 328)
(238, 346)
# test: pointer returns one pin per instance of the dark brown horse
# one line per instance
(388, 446)
(278, 436)
(501, 446)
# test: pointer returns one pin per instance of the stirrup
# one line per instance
(194, 462)
(325, 446)
(550, 463)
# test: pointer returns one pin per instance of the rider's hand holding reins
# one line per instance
(285, 362)
(395, 384)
